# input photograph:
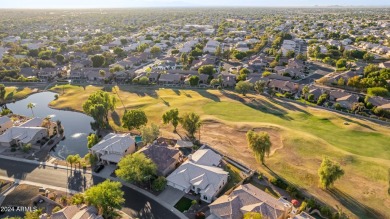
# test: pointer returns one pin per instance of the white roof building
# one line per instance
(199, 175)
(23, 135)
(5, 123)
(205, 157)
(242, 46)
(248, 198)
(183, 144)
(288, 45)
(113, 147)
(2, 51)
(211, 46)
(28, 132)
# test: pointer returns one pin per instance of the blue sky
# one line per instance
(173, 3)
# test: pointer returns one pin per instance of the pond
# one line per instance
(77, 125)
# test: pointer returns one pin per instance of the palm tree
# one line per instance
(31, 106)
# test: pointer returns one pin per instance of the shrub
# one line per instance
(26, 148)
(311, 203)
(56, 97)
(77, 199)
(5, 112)
(337, 106)
(326, 211)
(57, 208)
(292, 190)
(194, 202)
(278, 182)
(159, 183)
(303, 206)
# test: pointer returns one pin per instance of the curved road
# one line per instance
(136, 204)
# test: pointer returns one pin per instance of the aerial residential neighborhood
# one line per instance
(218, 110)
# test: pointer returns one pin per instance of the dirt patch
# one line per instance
(231, 140)
(21, 196)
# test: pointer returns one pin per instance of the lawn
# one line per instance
(16, 93)
(183, 204)
(266, 189)
(301, 136)
(234, 176)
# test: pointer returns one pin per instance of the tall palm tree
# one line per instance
(31, 106)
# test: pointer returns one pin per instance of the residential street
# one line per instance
(136, 204)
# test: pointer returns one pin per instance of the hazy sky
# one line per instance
(173, 3)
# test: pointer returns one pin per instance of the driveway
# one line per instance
(171, 195)
(138, 203)
(107, 171)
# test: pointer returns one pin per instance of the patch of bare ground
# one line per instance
(230, 140)
(21, 196)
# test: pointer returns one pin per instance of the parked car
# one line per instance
(98, 168)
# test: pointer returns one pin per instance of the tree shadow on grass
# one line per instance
(145, 91)
(288, 105)
(356, 207)
(187, 95)
(107, 88)
(10, 96)
(18, 89)
(165, 102)
(177, 92)
(116, 118)
(261, 105)
(208, 95)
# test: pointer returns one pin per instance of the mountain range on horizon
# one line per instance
(187, 3)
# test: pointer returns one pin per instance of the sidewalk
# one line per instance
(26, 182)
(48, 164)
(145, 193)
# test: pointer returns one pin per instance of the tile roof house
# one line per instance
(211, 46)
(335, 94)
(317, 92)
(296, 63)
(184, 144)
(284, 86)
(379, 102)
(170, 79)
(27, 72)
(197, 176)
(113, 147)
(348, 101)
(5, 123)
(152, 76)
(75, 212)
(228, 80)
(45, 73)
(28, 132)
(385, 64)
(258, 62)
(205, 157)
(165, 157)
(276, 77)
(248, 198)
(205, 60)
(252, 78)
